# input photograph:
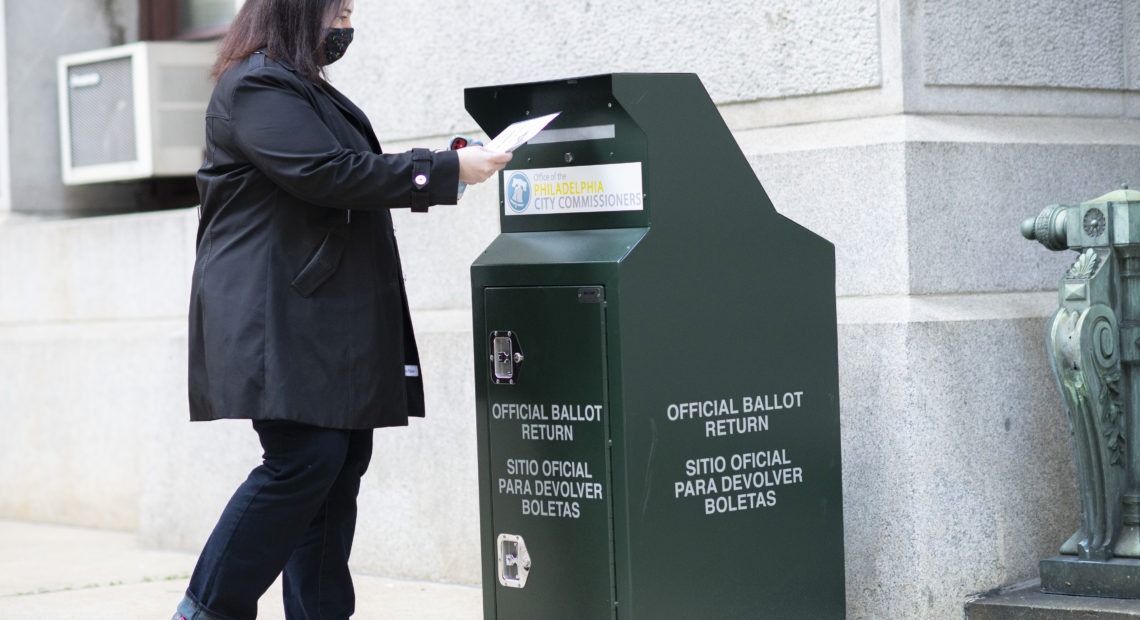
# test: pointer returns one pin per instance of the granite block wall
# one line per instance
(915, 135)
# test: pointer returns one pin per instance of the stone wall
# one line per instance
(915, 135)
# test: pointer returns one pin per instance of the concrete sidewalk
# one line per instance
(50, 572)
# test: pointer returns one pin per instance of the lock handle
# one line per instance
(514, 560)
(506, 357)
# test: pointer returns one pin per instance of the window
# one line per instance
(205, 15)
(185, 19)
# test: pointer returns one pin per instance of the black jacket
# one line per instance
(297, 306)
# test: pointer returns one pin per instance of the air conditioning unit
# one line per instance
(134, 111)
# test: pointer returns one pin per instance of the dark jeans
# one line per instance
(296, 513)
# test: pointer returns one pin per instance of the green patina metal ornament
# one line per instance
(1094, 348)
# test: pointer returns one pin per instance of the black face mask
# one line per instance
(336, 42)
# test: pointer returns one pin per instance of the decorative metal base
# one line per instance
(1116, 578)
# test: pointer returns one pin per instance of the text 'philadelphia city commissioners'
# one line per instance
(574, 189)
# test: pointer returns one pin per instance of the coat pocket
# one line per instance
(321, 266)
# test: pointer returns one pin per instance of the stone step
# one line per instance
(1028, 602)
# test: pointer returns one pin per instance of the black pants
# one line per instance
(296, 514)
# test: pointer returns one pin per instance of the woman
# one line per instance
(298, 316)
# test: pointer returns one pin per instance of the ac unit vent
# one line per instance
(134, 111)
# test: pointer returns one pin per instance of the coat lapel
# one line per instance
(354, 114)
(344, 106)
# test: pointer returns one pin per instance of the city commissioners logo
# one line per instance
(576, 189)
(518, 192)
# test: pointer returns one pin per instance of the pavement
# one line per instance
(52, 572)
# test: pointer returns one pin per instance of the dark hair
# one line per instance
(291, 31)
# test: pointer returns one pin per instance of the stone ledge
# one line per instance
(1028, 602)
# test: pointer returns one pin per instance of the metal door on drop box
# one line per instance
(548, 433)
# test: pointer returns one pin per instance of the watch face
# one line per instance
(1094, 223)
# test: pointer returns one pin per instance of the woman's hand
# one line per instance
(477, 164)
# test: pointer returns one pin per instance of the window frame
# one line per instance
(158, 21)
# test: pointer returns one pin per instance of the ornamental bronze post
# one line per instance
(1093, 341)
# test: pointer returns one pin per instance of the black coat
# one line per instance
(297, 306)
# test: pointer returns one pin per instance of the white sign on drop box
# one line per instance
(575, 189)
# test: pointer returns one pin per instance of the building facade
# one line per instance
(915, 135)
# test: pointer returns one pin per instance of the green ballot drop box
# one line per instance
(655, 369)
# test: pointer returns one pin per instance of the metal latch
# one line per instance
(506, 357)
(514, 561)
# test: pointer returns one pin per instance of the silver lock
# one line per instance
(506, 357)
(514, 561)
